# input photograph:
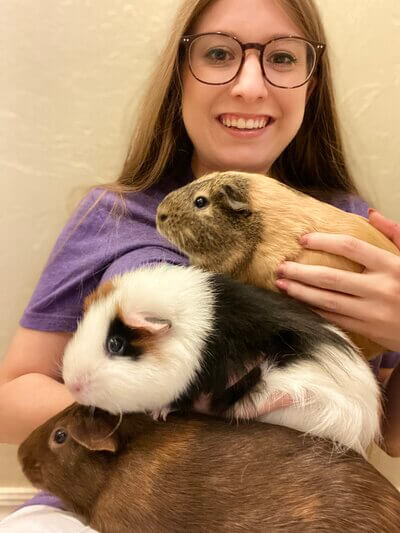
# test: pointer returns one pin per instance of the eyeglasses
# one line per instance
(286, 62)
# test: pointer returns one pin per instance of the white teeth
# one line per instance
(241, 123)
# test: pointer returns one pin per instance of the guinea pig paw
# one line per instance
(160, 414)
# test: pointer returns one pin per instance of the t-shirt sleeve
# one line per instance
(98, 242)
(390, 360)
(136, 259)
(351, 204)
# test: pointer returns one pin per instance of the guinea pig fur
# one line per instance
(156, 338)
(202, 475)
(246, 225)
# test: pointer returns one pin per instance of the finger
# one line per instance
(388, 227)
(325, 300)
(326, 278)
(345, 322)
(372, 257)
(359, 326)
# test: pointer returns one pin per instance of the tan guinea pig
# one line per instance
(201, 475)
(245, 225)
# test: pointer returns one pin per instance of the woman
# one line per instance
(250, 116)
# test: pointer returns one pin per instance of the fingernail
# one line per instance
(281, 284)
(280, 271)
(371, 210)
(304, 240)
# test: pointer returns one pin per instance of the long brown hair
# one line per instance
(313, 162)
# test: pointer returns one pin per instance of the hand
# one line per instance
(367, 303)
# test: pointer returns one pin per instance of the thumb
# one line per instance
(388, 227)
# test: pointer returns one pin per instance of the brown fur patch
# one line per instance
(200, 473)
(288, 214)
(147, 341)
(102, 291)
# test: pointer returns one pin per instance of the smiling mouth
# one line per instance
(246, 124)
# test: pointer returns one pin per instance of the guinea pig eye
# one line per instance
(200, 202)
(116, 344)
(60, 436)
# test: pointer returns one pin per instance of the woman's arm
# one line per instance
(364, 303)
(391, 419)
(30, 384)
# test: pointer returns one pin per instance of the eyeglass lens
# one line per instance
(287, 62)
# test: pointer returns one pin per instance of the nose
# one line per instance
(78, 386)
(250, 84)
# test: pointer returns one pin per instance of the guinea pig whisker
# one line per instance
(116, 426)
(120, 415)
(58, 368)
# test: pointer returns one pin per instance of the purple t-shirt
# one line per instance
(98, 243)
(95, 245)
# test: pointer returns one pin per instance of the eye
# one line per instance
(200, 202)
(282, 59)
(116, 344)
(60, 436)
(218, 55)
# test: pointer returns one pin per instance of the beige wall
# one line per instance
(71, 73)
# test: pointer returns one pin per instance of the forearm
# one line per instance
(391, 423)
(26, 402)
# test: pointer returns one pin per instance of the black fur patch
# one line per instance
(250, 322)
(230, 396)
(128, 336)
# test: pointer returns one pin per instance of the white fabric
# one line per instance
(42, 519)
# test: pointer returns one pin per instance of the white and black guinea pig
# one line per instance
(156, 338)
(246, 225)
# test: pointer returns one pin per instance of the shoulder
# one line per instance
(106, 226)
(100, 202)
(106, 235)
(141, 205)
(104, 215)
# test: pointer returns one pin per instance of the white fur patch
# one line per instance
(181, 295)
(335, 397)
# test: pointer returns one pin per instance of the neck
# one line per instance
(200, 168)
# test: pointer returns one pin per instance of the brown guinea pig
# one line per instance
(245, 225)
(201, 474)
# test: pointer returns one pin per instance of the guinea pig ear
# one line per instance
(94, 434)
(147, 324)
(235, 199)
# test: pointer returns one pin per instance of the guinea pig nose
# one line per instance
(163, 217)
(77, 387)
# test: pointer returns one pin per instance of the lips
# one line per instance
(244, 122)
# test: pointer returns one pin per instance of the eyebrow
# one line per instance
(272, 36)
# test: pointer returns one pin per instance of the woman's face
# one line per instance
(248, 96)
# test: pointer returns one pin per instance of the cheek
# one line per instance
(193, 105)
(198, 101)
(293, 105)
